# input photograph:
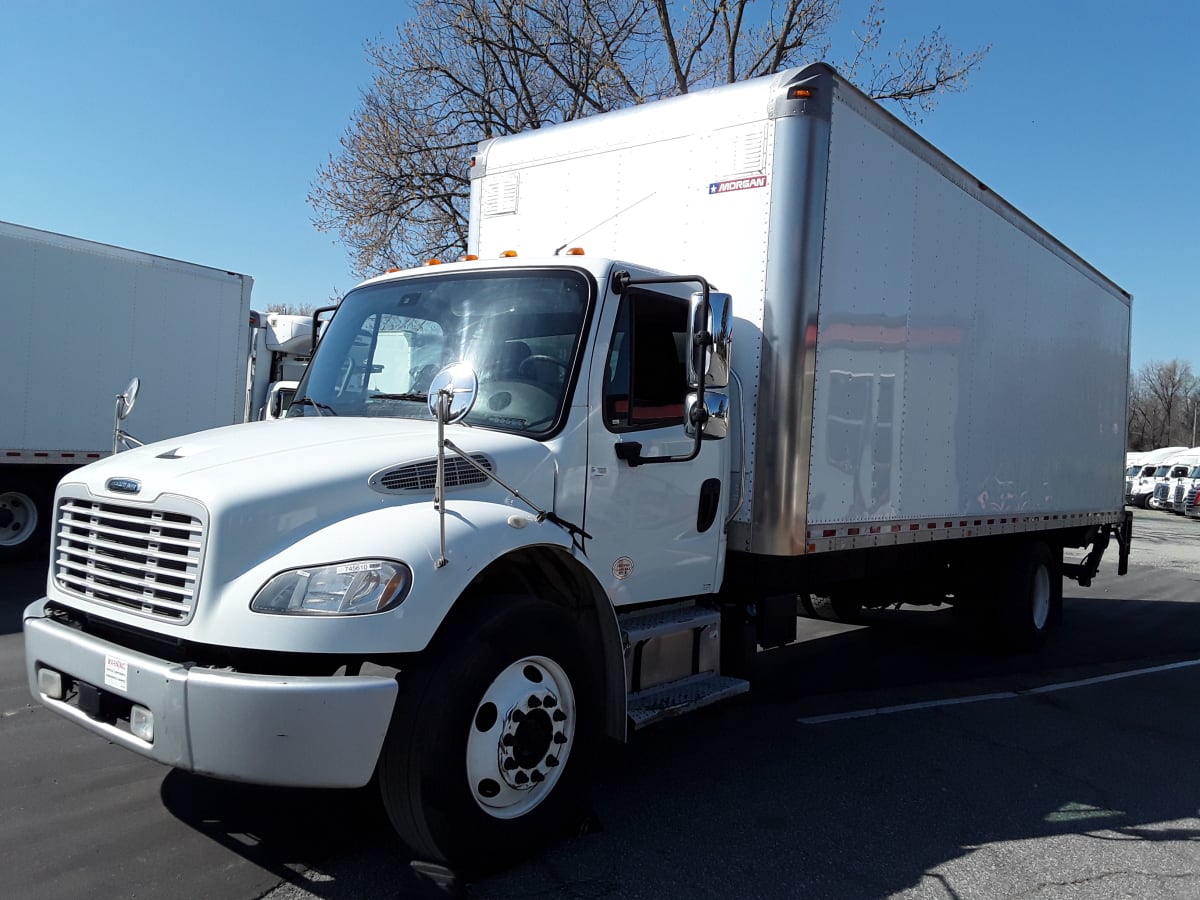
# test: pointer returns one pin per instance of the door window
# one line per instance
(646, 382)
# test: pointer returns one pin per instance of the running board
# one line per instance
(682, 696)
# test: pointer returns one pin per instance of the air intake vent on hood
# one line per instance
(421, 476)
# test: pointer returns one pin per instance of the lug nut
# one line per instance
(559, 716)
(560, 738)
(521, 778)
(537, 777)
(551, 761)
(534, 701)
(550, 702)
(510, 764)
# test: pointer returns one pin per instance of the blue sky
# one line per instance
(195, 131)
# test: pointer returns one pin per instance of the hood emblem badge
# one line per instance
(123, 485)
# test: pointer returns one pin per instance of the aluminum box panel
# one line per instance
(82, 318)
(966, 364)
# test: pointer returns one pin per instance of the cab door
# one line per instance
(657, 528)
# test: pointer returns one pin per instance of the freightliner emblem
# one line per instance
(124, 485)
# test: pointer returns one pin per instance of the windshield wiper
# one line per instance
(414, 396)
(315, 404)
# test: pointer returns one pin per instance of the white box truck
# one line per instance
(81, 318)
(525, 503)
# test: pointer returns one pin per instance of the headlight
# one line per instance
(343, 589)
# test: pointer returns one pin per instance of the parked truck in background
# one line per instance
(81, 318)
(525, 503)
(1140, 485)
(1183, 501)
(1168, 475)
(1179, 479)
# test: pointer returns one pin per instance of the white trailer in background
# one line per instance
(522, 504)
(80, 318)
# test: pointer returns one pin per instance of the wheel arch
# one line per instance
(551, 574)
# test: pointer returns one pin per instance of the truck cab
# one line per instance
(484, 466)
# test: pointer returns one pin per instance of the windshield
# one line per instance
(521, 331)
(1161, 471)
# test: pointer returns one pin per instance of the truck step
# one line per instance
(678, 697)
(643, 626)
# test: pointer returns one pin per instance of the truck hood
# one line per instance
(267, 484)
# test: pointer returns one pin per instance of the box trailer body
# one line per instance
(523, 503)
(81, 319)
(908, 343)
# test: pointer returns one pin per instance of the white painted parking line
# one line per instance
(999, 695)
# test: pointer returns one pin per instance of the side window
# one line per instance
(646, 382)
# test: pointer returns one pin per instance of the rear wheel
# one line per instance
(1028, 601)
(24, 521)
(838, 607)
(491, 746)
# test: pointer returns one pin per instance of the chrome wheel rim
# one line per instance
(520, 737)
(1041, 598)
(18, 518)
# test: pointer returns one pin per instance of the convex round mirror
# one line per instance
(128, 397)
(452, 392)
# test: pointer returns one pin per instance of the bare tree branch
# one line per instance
(461, 71)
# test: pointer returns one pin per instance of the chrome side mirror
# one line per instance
(452, 393)
(709, 357)
(127, 398)
(712, 420)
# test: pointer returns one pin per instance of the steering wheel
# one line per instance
(528, 366)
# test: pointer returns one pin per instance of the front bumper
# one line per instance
(265, 729)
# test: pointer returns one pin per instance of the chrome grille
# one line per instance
(422, 476)
(136, 557)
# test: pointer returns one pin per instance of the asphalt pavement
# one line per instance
(898, 759)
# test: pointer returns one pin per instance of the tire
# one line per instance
(1028, 601)
(492, 743)
(24, 520)
(837, 608)
(846, 608)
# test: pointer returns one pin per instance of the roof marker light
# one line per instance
(391, 270)
(470, 257)
(433, 261)
(800, 93)
(575, 251)
(508, 254)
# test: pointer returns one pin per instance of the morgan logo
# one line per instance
(737, 184)
(123, 485)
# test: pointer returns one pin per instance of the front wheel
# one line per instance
(491, 745)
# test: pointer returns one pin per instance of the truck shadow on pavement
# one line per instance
(288, 832)
(752, 798)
